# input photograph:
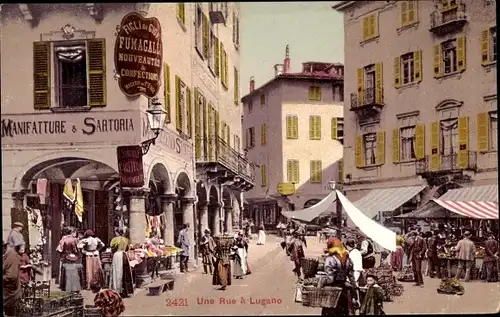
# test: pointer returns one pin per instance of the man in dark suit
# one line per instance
(418, 252)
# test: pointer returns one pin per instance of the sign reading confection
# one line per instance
(139, 55)
(130, 166)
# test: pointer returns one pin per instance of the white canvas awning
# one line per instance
(326, 205)
(386, 199)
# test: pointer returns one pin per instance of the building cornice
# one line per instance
(343, 5)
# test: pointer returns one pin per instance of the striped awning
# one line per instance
(479, 202)
(386, 199)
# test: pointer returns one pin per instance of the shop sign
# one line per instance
(139, 55)
(169, 140)
(130, 166)
(48, 128)
(286, 189)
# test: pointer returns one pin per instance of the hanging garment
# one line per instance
(79, 200)
(69, 193)
(41, 189)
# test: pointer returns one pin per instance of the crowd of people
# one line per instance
(435, 245)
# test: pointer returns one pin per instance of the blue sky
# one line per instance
(314, 31)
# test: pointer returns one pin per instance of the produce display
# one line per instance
(451, 286)
(406, 274)
(387, 282)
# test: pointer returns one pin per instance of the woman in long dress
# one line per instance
(90, 246)
(121, 272)
(397, 256)
(222, 269)
(262, 234)
(67, 246)
(239, 261)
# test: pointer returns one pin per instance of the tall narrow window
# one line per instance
(369, 93)
(449, 137)
(370, 148)
(72, 75)
(493, 131)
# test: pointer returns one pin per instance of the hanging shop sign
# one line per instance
(130, 166)
(92, 127)
(139, 55)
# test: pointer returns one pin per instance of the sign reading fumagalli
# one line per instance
(139, 55)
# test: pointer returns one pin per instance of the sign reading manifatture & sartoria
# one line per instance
(139, 55)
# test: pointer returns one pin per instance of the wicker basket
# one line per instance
(326, 296)
(310, 267)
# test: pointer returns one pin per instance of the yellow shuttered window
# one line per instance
(420, 141)
(189, 113)
(379, 84)
(292, 172)
(41, 75)
(215, 140)
(335, 128)
(197, 124)
(417, 64)
(341, 170)
(236, 87)
(263, 175)
(408, 12)
(181, 12)
(435, 155)
(396, 145)
(366, 28)
(373, 25)
(361, 83)
(397, 72)
(226, 68)
(209, 141)
(380, 159)
(438, 53)
(263, 134)
(96, 50)
(314, 128)
(316, 171)
(314, 93)
(369, 27)
(463, 142)
(485, 47)
(483, 131)
(461, 53)
(358, 151)
(205, 26)
(166, 92)
(228, 135)
(179, 111)
(217, 56)
(292, 127)
(404, 13)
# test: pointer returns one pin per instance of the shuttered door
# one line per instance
(435, 163)
(197, 124)
(166, 92)
(361, 83)
(417, 61)
(483, 144)
(463, 142)
(461, 53)
(289, 171)
(263, 136)
(209, 140)
(217, 133)
(41, 75)
(420, 141)
(380, 148)
(379, 89)
(206, 35)
(438, 70)
(395, 145)
(96, 50)
(334, 129)
(358, 151)
(217, 56)
(295, 127)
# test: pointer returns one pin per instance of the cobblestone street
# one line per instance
(270, 288)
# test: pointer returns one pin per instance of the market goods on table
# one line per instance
(386, 281)
(451, 286)
(55, 304)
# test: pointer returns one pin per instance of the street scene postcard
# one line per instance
(249, 158)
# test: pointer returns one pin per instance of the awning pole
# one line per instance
(339, 212)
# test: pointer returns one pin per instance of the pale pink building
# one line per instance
(421, 103)
(294, 132)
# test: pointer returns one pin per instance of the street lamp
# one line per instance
(156, 120)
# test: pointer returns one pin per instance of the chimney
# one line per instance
(286, 62)
(252, 84)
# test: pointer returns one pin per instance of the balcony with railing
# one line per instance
(216, 158)
(451, 19)
(368, 107)
(444, 164)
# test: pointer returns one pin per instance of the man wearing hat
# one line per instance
(466, 252)
(15, 236)
(12, 290)
(207, 247)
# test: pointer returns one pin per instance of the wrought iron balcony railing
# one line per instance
(368, 99)
(214, 149)
(447, 163)
(445, 21)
